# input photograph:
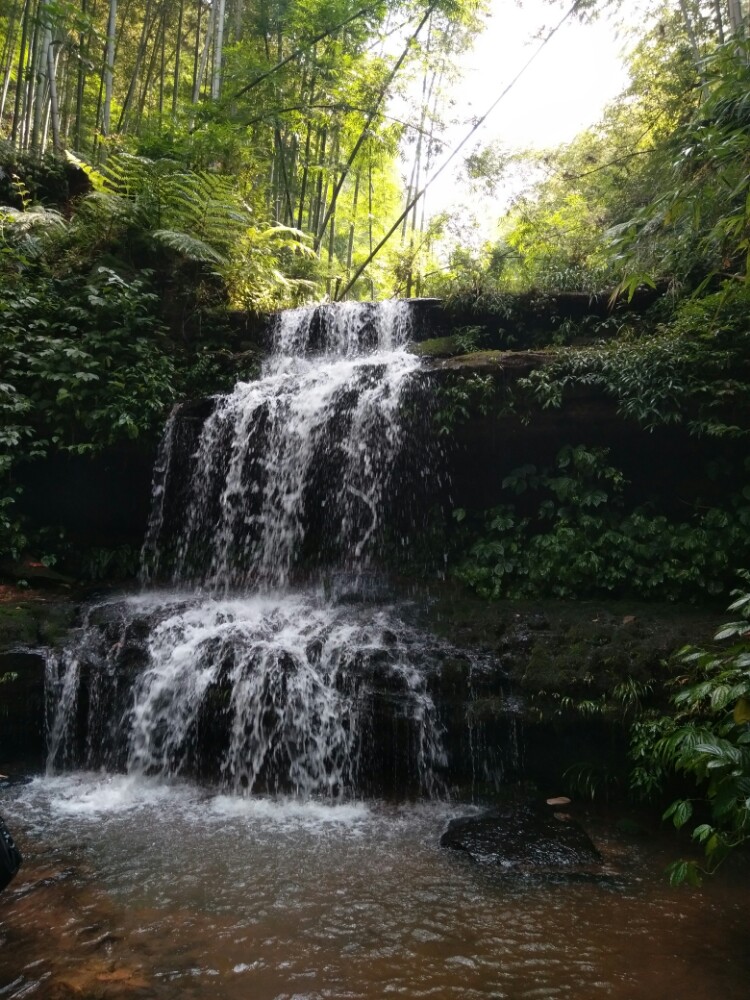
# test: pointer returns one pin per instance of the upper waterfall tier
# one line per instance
(300, 465)
(342, 329)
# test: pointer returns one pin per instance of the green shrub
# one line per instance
(581, 542)
(706, 737)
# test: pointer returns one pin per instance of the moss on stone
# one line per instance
(438, 347)
(35, 621)
(554, 649)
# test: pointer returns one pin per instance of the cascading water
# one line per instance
(234, 675)
(308, 449)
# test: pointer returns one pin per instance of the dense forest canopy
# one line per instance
(290, 100)
(288, 113)
(656, 190)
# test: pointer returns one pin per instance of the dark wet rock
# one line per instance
(38, 619)
(33, 573)
(552, 649)
(23, 735)
(455, 677)
(524, 839)
(15, 781)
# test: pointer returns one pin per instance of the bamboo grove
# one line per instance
(327, 113)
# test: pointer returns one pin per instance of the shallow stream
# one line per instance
(136, 888)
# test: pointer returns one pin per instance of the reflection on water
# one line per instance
(139, 889)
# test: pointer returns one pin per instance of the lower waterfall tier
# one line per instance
(276, 693)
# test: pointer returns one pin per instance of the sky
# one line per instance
(565, 89)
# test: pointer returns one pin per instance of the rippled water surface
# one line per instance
(139, 889)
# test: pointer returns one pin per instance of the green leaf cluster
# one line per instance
(84, 364)
(706, 738)
(569, 535)
(693, 370)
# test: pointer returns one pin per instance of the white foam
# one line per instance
(293, 674)
(289, 811)
(91, 796)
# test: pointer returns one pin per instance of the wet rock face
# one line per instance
(524, 839)
(22, 705)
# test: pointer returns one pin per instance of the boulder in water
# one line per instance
(524, 840)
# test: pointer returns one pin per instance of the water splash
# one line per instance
(257, 693)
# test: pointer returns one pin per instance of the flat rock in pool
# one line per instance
(524, 840)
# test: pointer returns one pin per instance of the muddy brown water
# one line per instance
(132, 889)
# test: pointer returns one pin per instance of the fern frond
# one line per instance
(34, 218)
(98, 180)
(189, 246)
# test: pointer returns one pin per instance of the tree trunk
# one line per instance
(736, 20)
(719, 21)
(31, 61)
(198, 82)
(303, 183)
(218, 50)
(140, 53)
(368, 122)
(177, 57)
(8, 53)
(690, 30)
(352, 226)
(81, 80)
(197, 50)
(17, 103)
(109, 67)
(53, 106)
(319, 186)
(142, 97)
(288, 212)
(41, 86)
(237, 12)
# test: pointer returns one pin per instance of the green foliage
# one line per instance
(555, 247)
(569, 535)
(655, 193)
(43, 180)
(457, 400)
(198, 216)
(83, 366)
(705, 737)
(120, 563)
(293, 101)
(697, 224)
(691, 371)
(84, 363)
(87, 348)
(591, 780)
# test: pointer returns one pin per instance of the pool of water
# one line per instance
(133, 888)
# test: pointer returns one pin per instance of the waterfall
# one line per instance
(307, 450)
(259, 693)
(239, 675)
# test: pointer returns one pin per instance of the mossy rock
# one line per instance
(585, 649)
(438, 347)
(35, 621)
